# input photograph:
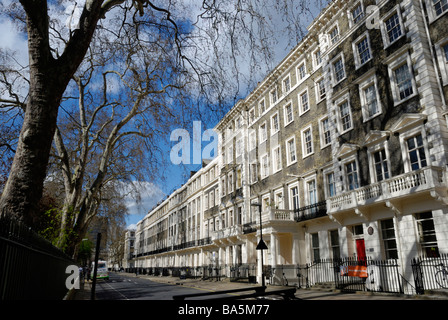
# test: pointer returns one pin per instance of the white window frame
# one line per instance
(211, 198)
(274, 130)
(318, 87)
(285, 111)
(305, 152)
(265, 201)
(230, 154)
(279, 204)
(276, 159)
(368, 82)
(238, 123)
(324, 144)
(239, 147)
(264, 167)
(352, 22)
(261, 107)
(289, 161)
(300, 79)
(371, 150)
(254, 118)
(306, 184)
(384, 33)
(392, 67)
(273, 96)
(252, 139)
(286, 90)
(239, 177)
(344, 163)
(333, 70)
(223, 186)
(441, 58)
(432, 14)
(301, 111)
(338, 104)
(263, 137)
(358, 63)
(404, 147)
(338, 36)
(326, 173)
(253, 168)
(291, 197)
(230, 183)
(317, 64)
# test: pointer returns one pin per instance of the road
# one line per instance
(120, 287)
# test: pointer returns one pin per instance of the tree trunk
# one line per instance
(48, 79)
(23, 189)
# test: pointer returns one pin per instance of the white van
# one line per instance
(101, 272)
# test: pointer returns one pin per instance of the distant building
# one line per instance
(129, 243)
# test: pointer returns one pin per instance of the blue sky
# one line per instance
(175, 175)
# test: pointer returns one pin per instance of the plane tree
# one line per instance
(214, 50)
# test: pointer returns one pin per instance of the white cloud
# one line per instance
(141, 196)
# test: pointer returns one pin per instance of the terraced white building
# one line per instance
(344, 146)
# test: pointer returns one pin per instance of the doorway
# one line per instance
(361, 250)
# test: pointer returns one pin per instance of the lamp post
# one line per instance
(261, 245)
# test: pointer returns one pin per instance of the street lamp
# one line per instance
(261, 245)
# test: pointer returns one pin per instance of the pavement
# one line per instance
(84, 293)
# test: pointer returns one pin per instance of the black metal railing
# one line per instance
(249, 227)
(345, 274)
(311, 212)
(30, 266)
(183, 245)
(243, 272)
(430, 273)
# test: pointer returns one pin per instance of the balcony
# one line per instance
(272, 215)
(228, 232)
(429, 179)
(313, 211)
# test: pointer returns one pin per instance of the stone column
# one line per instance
(295, 249)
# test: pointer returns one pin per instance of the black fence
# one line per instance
(311, 212)
(430, 273)
(207, 272)
(243, 272)
(347, 275)
(30, 266)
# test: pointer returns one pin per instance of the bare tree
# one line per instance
(120, 113)
(49, 77)
(219, 43)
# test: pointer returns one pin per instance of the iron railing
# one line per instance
(311, 212)
(430, 273)
(30, 266)
(243, 272)
(183, 245)
(345, 274)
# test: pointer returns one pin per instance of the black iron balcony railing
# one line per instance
(312, 211)
(183, 245)
(249, 227)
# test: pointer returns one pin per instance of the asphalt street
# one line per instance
(120, 287)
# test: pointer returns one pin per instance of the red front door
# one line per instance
(361, 249)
